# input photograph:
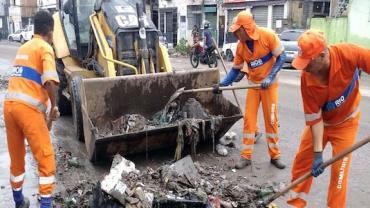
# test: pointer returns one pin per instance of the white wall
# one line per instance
(2, 7)
(15, 16)
(359, 22)
(44, 4)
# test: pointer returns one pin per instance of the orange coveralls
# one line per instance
(338, 106)
(24, 113)
(260, 62)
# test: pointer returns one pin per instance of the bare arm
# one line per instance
(317, 136)
(51, 87)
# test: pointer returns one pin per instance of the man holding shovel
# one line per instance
(261, 50)
(331, 97)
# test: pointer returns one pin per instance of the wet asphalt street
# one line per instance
(291, 124)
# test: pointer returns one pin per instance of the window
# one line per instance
(321, 8)
(84, 10)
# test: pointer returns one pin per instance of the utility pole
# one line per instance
(6, 10)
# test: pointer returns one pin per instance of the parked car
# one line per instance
(229, 47)
(22, 35)
(289, 41)
(27, 33)
(16, 36)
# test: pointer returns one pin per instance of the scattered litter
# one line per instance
(74, 162)
(2, 187)
(233, 170)
(77, 196)
(228, 139)
(221, 150)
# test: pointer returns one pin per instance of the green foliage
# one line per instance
(182, 47)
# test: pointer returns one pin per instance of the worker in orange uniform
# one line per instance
(32, 83)
(261, 50)
(331, 97)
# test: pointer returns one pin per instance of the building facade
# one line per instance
(178, 17)
(21, 14)
(301, 11)
(272, 14)
(3, 19)
(50, 5)
(28, 10)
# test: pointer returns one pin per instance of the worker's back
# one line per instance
(34, 64)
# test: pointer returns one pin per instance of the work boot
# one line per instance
(257, 136)
(277, 163)
(19, 200)
(46, 202)
(24, 204)
(243, 162)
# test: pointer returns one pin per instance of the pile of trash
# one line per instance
(78, 196)
(173, 112)
(181, 184)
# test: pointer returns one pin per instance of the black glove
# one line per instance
(216, 88)
(240, 76)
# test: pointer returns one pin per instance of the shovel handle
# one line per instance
(324, 165)
(208, 89)
(224, 67)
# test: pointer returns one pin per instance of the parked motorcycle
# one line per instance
(205, 56)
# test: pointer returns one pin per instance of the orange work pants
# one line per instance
(341, 137)
(22, 122)
(269, 99)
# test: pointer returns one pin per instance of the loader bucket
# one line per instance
(105, 99)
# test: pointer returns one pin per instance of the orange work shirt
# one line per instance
(267, 45)
(339, 100)
(34, 66)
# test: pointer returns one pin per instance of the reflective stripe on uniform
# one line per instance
(46, 180)
(272, 135)
(248, 135)
(26, 98)
(249, 146)
(273, 145)
(240, 66)
(45, 195)
(312, 116)
(17, 179)
(22, 57)
(278, 50)
(295, 195)
(352, 115)
(47, 75)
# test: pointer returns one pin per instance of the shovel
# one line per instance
(324, 165)
(209, 89)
